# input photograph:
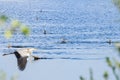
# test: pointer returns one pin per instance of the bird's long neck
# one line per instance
(7, 54)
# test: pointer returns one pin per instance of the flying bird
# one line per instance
(22, 55)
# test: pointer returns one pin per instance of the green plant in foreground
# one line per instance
(3, 19)
(117, 3)
(114, 65)
(3, 76)
(12, 27)
(105, 75)
(82, 78)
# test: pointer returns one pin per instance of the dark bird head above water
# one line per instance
(44, 32)
(63, 41)
(22, 55)
(109, 41)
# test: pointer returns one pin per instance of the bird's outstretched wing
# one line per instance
(22, 63)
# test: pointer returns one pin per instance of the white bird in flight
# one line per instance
(22, 55)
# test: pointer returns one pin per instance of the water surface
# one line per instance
(87, 26)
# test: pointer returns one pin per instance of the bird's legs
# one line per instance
(35, 57)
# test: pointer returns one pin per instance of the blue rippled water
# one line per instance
(87, 26)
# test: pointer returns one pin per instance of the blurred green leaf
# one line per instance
(117, 63)
(15, 23)
(117, 3)
(2, 75)
(8, 34)
(25, 30)
(117, 45)
(14, 77)
(109, 62)
(15, 26)
(91, 74)
(3, 18)
(105, 75)
(82, 78)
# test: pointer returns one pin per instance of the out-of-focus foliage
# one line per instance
(105, 75)
(91, 74)
(82, 78)
(15, 77)
(109, 62)
(3, 19)
(114, 68)
(8, 34)
(13, 27)
(3, 76)
(15, 24)
(25, 30)
(118, 47)
(117, 3)
(114, 65)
